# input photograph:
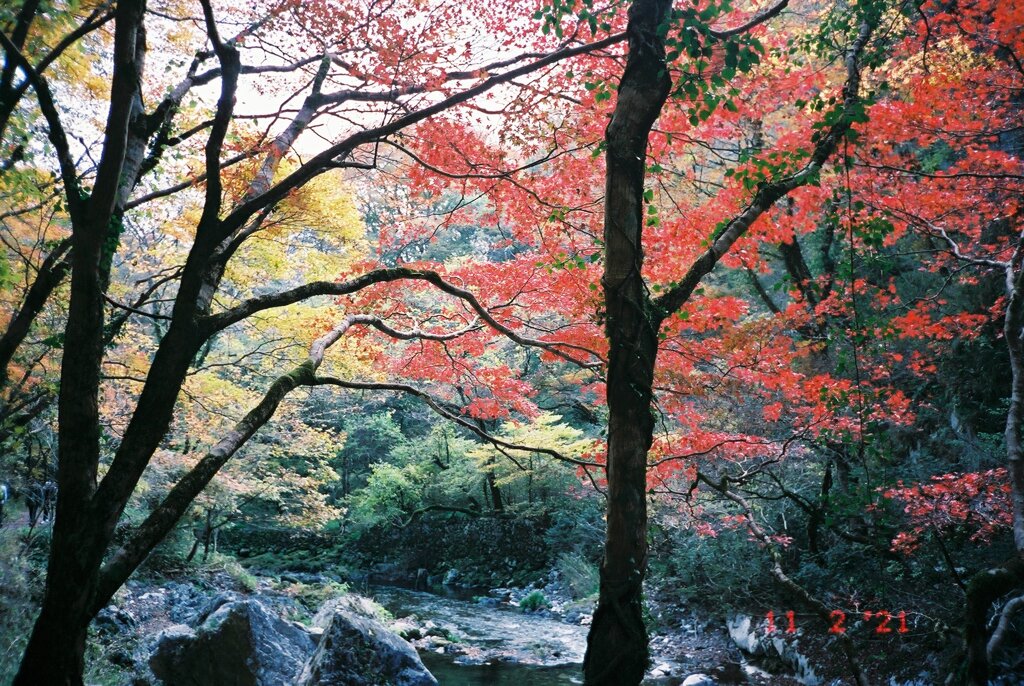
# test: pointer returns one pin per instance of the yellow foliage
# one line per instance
(316, 233)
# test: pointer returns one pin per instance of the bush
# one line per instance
(534, 601)
(581, 576)
(240, 575)
(20, 579)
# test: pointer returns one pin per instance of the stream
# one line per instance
(494, 645)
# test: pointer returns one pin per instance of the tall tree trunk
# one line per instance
(492, 489)
(1013, 333)
(989, 586)
(617, 643)
(56, 648)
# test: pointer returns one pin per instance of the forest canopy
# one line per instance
(708, 303)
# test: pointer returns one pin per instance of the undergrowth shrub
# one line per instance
(581, 576)
(534, 601)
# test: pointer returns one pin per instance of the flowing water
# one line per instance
(449, 673)
(497, 646)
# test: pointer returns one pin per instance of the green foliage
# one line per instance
(390, 494)
(535, 482)
(20, 583)
(691, 41)
(580, 575)
(241, 576)
(534, 601)
(370, 440)
(313, 596)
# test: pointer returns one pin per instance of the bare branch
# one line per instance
(187, 183)
(761, 18)
(323, 161)
(439, 407)
(220, 321)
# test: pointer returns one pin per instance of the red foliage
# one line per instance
(977, 502)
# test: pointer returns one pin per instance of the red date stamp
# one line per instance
(885, 622)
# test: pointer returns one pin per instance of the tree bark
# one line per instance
(986, 587)
(983, 590)
(617, 643)
(617, 648)
(56, 648)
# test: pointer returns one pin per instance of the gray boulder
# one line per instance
(775, 652)
(241, 643)
(360, 651)
(185, 602)
(114, 620)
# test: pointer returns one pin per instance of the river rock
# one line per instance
(388, 572)
(451, 577)
(306, 578)
(698, 680)
(354, 604)
(114, 620)
(360, 651)
(185, 602)
(662, 670)
(239, 644)
(776, 653)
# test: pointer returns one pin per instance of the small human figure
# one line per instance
(5, 493)
(49, 500)
(33, 501)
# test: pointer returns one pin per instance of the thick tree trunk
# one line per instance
(617, 644)
(988, 586)
(982, 591)
(54, 655)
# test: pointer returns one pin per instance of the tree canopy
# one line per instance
(735, 266)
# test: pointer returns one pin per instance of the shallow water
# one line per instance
(499, 674)
(507, 647)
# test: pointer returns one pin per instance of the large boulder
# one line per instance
(774, 652)
(357, 650)
(241, 643)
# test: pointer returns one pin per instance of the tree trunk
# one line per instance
(617, 643)
(195, 546)
(982, 591)
(51, 273)
(56, 647)
(492, 488)
(988, 586)
(207, 536)
(1013, 333)
(55, 652)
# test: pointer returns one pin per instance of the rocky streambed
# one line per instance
(288, 631)
(484, 640)
(210, 631)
